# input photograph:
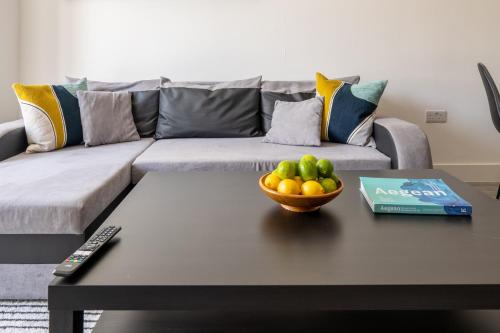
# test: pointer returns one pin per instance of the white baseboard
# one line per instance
(473, 172)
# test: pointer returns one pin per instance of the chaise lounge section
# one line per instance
(51, 202)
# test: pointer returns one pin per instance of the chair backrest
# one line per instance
(492, 93)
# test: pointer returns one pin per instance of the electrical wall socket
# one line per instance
(436, 116)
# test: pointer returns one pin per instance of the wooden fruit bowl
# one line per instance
(299, 203)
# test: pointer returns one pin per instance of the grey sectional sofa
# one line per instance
(51, 202)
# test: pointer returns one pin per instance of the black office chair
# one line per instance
(493, 100)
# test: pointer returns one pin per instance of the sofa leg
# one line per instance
(498, 193)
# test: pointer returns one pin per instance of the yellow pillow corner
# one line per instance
(327, 89)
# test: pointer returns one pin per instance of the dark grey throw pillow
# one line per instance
(288, 91)
(145, 108)
(222, 110)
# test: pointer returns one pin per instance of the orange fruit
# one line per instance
(288, 186)
(272, 181)
(312, 187)
(299, 181)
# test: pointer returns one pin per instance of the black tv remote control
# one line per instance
(87, 250)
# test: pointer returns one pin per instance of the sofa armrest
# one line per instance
(405, 143)
(12, 139)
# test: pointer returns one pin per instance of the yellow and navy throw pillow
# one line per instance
(349, 110)
(51, 115)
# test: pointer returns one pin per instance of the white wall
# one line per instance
(427, 49)
(9, 58)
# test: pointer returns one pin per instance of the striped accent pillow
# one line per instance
(349, 110)
(51, 115)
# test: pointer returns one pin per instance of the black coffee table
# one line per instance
(211, 242)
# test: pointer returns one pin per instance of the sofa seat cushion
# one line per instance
(63, 191)
(247, 154)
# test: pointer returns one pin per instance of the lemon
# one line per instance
(288, 186)
(299, 181)
(272, 181)
(312, 187)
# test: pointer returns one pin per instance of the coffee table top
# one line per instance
(218, 229)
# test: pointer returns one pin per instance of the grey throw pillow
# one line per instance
(106, 117)
(140, 85)
(296, 123)
(215, 110)
(289, 91)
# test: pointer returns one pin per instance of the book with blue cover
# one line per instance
(412, 196)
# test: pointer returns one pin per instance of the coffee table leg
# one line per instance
(65, 321)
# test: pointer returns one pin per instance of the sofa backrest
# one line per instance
(288, 91)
